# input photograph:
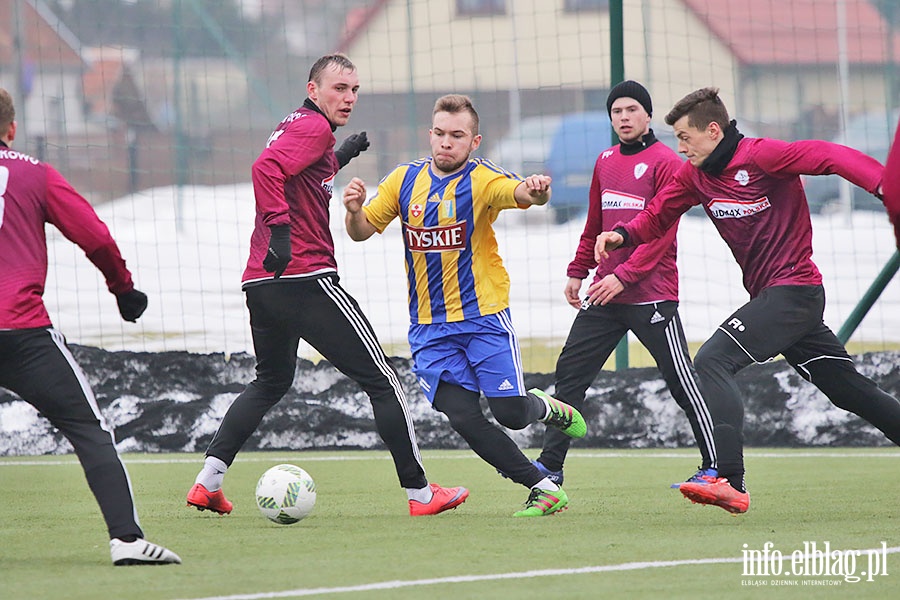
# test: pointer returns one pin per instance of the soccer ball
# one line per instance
(285, 494)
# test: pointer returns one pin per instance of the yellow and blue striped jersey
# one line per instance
(453, 265)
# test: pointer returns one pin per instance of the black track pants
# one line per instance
(784, 320)
(37, 365)
(321, 312)
(594, 335)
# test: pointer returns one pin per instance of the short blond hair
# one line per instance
(7, 111)
(457, 103)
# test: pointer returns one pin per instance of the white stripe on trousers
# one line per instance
(344, 303)
(701, 410)
(60, 342)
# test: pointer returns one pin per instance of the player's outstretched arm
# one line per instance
(890, 187)
(534, 190)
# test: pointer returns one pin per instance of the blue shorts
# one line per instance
(480, 354)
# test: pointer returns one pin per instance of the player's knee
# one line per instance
(271, 387)
(510, 412)
(841, 383)
(460, 406)
(466, 423)
(714, 357)
(705, 361)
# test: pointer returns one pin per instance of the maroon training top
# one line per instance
(33, 193)
(622, 186)
(293, 181)
(758, 205)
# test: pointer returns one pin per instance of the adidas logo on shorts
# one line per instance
(656, 318)
(506, 385)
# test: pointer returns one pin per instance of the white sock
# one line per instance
(212, 474)
(423, 495)
(545, 484)
(546, 413)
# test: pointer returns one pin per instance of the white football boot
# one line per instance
(140, 552)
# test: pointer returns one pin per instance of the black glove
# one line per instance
(351, 148)
(132, 305)
(279, 253)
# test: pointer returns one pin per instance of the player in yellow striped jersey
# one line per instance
(461, 334)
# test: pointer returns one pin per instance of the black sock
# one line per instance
(128, 538)
(737, 482)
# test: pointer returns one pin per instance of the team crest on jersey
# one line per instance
(448, 209)
(415, 209)
(328, 184)
(639, 170)
(742, 177)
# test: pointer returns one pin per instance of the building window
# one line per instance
(585, 5)
(476, 8)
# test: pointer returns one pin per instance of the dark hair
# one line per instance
(7, 111)
(457, 103)
(341, 60)
(702, 108)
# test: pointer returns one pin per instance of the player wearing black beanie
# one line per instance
(630, 89)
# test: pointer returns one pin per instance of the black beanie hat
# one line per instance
(630, 89)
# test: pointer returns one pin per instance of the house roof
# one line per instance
(98, 82)
(760, 32)
(357, 21)
(110, 89)
(775, 32)
(47, 39)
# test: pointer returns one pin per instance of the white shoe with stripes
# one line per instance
(140, 552)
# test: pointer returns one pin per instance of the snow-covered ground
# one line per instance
(187, 249)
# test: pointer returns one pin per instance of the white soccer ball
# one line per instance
(285, 494)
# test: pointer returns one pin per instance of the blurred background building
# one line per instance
(129, 94)
(141, 103)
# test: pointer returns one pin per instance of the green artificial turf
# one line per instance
(626, 533)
